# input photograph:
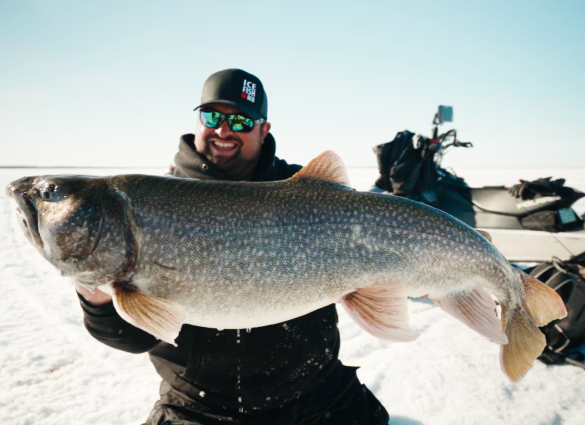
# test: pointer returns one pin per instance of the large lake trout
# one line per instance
(234, 255)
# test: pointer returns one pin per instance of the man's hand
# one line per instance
(95, 300)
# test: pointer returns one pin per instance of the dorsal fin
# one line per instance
(484, 234)
(326, 167)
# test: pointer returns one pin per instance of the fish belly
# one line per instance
(261, 275)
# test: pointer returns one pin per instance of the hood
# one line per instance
(191, 164)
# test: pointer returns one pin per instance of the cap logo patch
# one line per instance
(249, 91)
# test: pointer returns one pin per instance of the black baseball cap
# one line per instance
(236, 88)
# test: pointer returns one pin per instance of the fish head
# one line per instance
(64, 217)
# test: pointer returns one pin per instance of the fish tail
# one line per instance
(157, 316)
(526, 341)
(382, 311)
(542, 303)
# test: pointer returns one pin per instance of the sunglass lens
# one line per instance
(211, 119)
(240, 123)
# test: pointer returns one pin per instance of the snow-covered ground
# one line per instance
(53, 372)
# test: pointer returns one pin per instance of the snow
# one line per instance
(53, 372)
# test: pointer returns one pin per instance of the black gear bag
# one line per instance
(564, 336)
(406, 165)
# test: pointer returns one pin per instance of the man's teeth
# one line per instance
(225, 145)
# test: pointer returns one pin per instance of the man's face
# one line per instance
(235, 153)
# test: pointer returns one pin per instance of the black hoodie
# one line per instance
(189, 163)
(254, 370)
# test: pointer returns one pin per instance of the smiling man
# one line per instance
(234, 152)
(283, 374)
(232, 140)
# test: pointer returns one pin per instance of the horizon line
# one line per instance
(347, 166)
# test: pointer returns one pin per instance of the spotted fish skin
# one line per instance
(247, 255)
(234, 255)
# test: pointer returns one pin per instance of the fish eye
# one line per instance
(49, 193)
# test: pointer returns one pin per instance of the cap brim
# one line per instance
(250, 112)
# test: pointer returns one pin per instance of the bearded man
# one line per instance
(283, 374)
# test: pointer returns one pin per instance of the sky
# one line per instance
(114, 83)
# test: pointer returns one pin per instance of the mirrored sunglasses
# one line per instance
(236, 122)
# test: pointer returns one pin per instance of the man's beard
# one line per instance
(236, 166)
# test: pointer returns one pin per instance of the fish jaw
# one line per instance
(26, 210)
(73, 222)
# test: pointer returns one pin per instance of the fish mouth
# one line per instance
(28, 215)
(9, 190)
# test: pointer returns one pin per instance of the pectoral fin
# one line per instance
(382, 311)
(476, 309)
(157, 316)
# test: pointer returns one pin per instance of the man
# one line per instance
(284, 374)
